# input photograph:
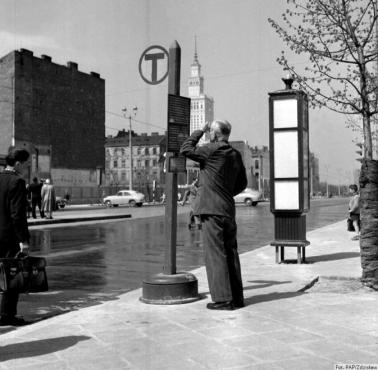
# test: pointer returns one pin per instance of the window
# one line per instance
(146, 151)
(153, 150)
(256, 164)
(115, 164)
(123, 163)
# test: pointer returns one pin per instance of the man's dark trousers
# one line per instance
(36, 202)
(222, 259)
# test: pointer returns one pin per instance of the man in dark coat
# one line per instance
(14, 233)
(34, 191)
(222, 175)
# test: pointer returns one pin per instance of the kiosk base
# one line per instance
(280, 249)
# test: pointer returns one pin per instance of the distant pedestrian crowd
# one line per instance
(41, 194)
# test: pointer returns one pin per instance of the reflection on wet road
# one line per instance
(94, 262)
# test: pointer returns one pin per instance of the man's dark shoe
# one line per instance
(227, 306)
(238, 304)
(12, 321)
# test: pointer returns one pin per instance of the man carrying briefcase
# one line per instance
(14, 233)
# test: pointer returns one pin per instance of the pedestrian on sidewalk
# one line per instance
(222, 175)
(48, 199)
(34, 191)
(191, 196)
(354, 210)
(14, 233)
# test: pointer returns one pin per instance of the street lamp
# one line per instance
(129, 117)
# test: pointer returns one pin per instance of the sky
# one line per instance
(237, 49)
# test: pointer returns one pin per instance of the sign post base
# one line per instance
(170, 289)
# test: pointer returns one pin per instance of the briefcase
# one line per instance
(34, 274)
(24, 274)
(11, 274)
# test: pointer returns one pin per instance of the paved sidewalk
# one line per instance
(281, 327)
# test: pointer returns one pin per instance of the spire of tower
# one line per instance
(195, 49)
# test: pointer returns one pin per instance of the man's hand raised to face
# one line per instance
(206, 127)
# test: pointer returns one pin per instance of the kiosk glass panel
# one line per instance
(285, 154)
(286, 195)
(285, 113)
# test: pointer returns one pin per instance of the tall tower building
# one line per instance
(202, 106)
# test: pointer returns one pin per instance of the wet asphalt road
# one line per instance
(90, 263)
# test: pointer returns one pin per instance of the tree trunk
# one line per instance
(369, 222)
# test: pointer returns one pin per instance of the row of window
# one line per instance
(136, 150)
(138, 163)
(197, 105)
(124, 176)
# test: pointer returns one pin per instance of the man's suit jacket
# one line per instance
(13, 221)
(222, 175)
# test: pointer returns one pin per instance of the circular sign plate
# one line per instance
(153, 65)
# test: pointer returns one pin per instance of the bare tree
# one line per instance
(340, 39)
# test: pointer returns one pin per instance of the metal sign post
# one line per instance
(171, 287)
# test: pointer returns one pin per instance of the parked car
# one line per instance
(249, 197)
(60, 202)
(130, 197)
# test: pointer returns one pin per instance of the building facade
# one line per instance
(261, 170)
(148, 163)
(57, 113)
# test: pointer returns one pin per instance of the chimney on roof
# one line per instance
(154, 134)
(26, 52)
(45, 57)
(72, 65)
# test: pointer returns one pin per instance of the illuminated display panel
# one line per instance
(285, 154)
(285, 113)
(286, 195)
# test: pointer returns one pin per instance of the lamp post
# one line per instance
(129, 117)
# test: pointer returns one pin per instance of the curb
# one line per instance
(76, 219)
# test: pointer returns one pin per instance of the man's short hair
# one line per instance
(16, 155)
(224, 127)
(353, 187)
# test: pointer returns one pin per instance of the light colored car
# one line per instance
(249, 197)
(130, 197)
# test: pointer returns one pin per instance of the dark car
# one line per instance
(60, 203)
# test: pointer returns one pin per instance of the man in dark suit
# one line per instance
(34, 191)
(14, 233)
(222, 175)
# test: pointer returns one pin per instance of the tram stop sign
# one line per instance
(153, 65)
(178, 121)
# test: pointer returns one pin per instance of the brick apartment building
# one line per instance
(58, 113)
